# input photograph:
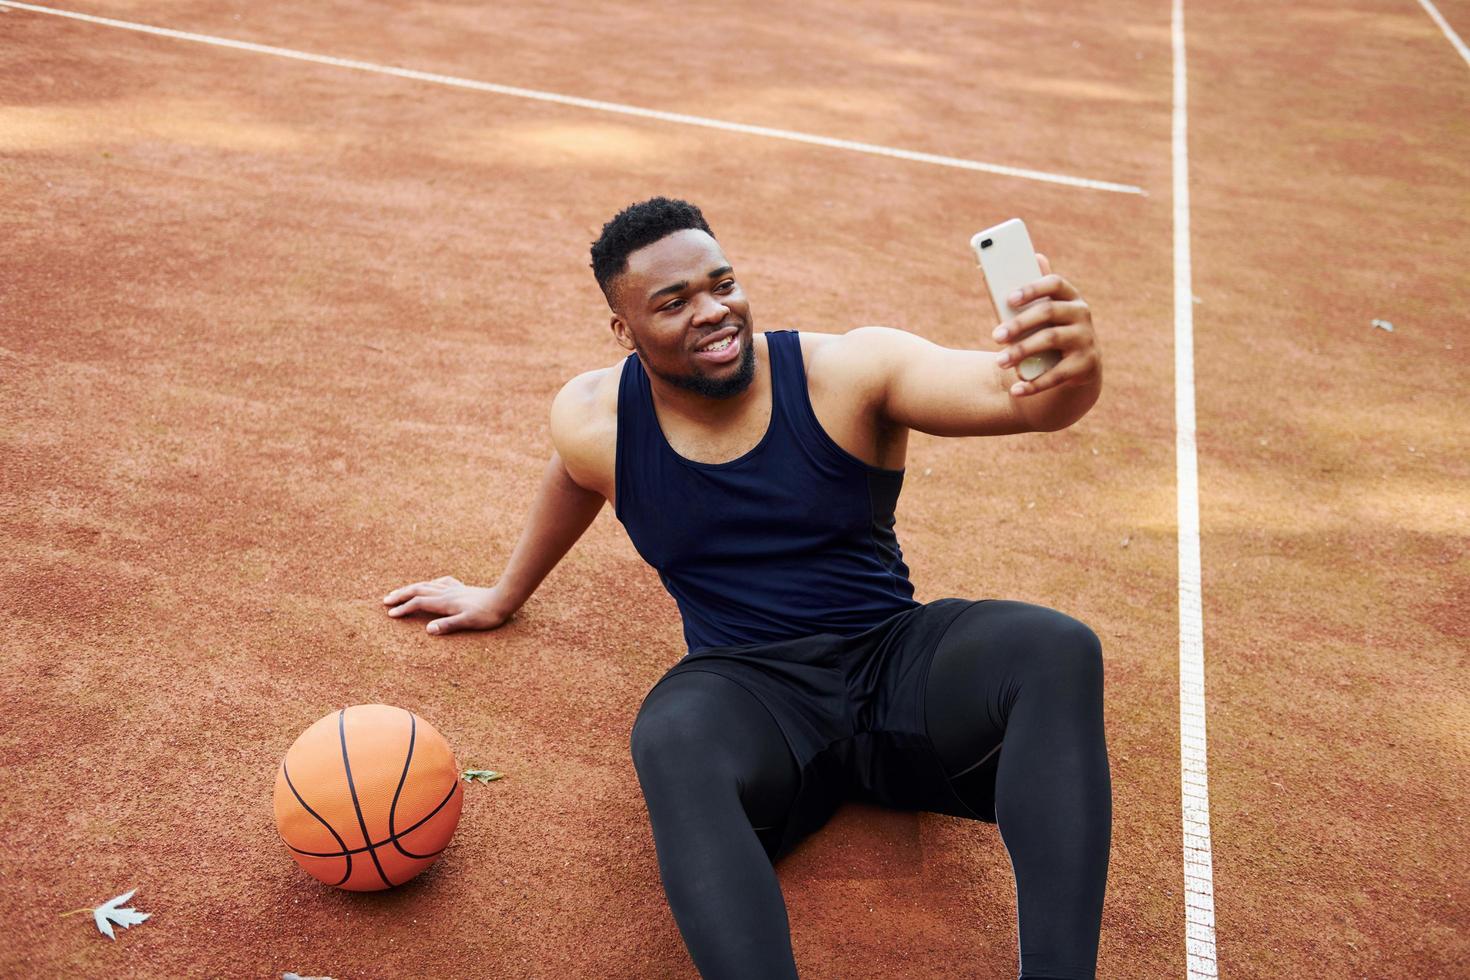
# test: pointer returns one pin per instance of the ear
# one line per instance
(622, 333)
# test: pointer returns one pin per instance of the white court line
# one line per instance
(595, 104)
(1199, 889)
(1449, 31)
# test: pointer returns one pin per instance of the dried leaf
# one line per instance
(481, 775)
(114, 911)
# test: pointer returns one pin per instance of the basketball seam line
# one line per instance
(413, 729)
(385, 841)
(361, 822)
(345, 852)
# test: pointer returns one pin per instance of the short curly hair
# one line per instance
(634, 227)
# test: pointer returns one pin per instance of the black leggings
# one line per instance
(717, 775)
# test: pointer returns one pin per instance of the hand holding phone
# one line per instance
(1009, 262)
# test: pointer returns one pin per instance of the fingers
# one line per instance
(1050, 324)
(1078, 364)
(398, 595)
(1038, 314)
(414, 604)
(419, 588)
(1052, 338)
(448, 624)
(1049, 285)
(1072, 369)
(432, 604)
(1045, 264)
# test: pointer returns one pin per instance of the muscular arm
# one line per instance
(561, 511)
(573, 485)
(584, 431)
(920, 385)
(946, 392)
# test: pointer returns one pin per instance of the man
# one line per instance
(758, 473)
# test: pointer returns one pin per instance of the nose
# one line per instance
(709, 310)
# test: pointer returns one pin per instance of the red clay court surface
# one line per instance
(277, 337)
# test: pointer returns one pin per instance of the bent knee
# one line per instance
(1069, 649)
(659, 737)
(678, 725)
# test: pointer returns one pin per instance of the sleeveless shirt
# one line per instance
(794, 538)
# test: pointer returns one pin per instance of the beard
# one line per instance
(715, 387)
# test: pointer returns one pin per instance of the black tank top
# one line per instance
(791, 539)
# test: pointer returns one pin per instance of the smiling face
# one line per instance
(680, 307)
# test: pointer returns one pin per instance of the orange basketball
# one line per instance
(368, 797)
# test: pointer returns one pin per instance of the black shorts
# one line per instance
(852, 711)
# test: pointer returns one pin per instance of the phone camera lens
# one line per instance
(986, 243)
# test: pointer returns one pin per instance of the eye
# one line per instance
(670, 306)
(726, 286)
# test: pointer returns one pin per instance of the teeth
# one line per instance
(721, 345)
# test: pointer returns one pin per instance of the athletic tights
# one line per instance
(1007, 675)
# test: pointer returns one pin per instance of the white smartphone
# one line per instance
(1009, 262)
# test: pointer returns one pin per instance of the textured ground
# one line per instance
(277, 337)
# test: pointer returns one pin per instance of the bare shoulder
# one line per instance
(584, 426)
(860, 359)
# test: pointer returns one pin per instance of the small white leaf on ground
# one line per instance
(481, 775)
(296, 976)
(1383, 325)
(114, 912)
